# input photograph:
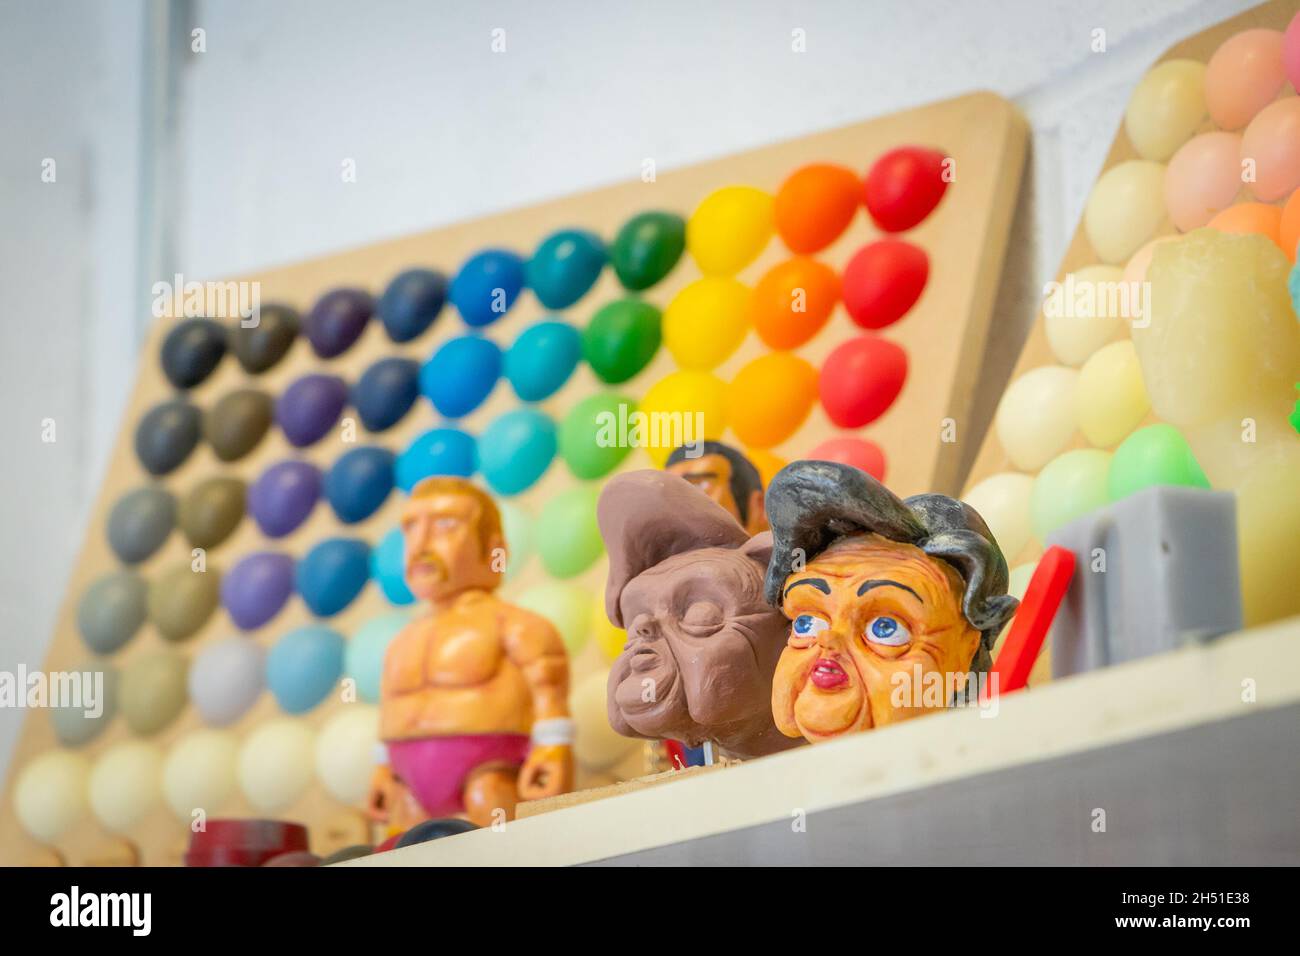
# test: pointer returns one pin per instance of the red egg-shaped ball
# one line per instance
(860, 379)
(855, 452)
(883, 280)
(903, 186)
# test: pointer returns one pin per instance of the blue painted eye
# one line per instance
(806, 625)
(888, 631)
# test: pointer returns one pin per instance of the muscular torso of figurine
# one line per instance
(450, 673)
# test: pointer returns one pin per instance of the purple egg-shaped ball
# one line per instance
(337, 320)
(309, 408)
(283, 496)
(257, 587)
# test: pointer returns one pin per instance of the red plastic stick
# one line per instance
(1033, 618)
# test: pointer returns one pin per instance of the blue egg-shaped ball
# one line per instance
(388, 568)
(332, 574)
(386, 391)
(303, 666)
(516, 449)
(542, 359)
(487, 285)
(565, 267)
(359, 482)
(439, 451)
(411, 302)
(461, 375)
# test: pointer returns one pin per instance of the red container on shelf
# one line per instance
(244, 842)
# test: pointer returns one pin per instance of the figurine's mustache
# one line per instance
(428, 562)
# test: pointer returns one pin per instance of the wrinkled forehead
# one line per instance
(443, 504)
(851, 560)
(703, 572)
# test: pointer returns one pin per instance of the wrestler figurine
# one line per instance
(686, 581)
(474, 695)
(726, 476)
(882, 595)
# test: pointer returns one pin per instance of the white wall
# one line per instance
(441, 129)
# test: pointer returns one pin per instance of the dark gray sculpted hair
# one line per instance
(812, 504)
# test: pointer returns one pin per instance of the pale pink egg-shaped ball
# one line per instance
(1244, 75)
(1291, 52)
(1203, 177)
(1272, 145)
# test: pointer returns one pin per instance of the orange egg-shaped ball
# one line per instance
(815, 205)
(770, 398)
(1289, 228)
(1203, 177)
(792, 301)
(1271, 145)
(1251, 217)
(1243, 76)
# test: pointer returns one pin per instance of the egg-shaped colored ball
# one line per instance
(153, 690)
(565, 266)
(861, 379)
(1125, 209)
(310, 407)
(1069, 486)
(237, 422)
(303, 666)
(589, 435)
(276, 763)
(363, 658)
(461, 374)
(198, 773)
(541, 360)
(192, 350)
(683, 406)
(210, 512)
(182, 598)
(282, 497)
(622, 339)
(81, 721)
(568, 538)
(111, 610)
(167, 434)
(126, 785)
(1243, 76)
(388, 567)
(1110, 399)
(439, 451)
(140, 523)
(411, 302)
(815, 205)
(359, 482)
(332, 574)
(260, 346)
(610, 639)
(770, 398)
(345, 752)
(566, 606)
(1166, 108)
(1246, 218)
(517, 527)
(51, 794)
(1035, 419)
(1203, 178)
(706, 322)
(257, 588)
(1002, 500)
(337, 320)
(793, 301)
(1155, 455)
(1272, 144)
(487, 285)
(1084, 312)
(226, 678)
(516, 450)
(729, 229)
(647, 248)
(386, 391)
(597, 746)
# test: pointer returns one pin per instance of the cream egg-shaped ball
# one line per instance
(1084, 312)
(1125, 209)
(1035, 419)
(199, 773)
(276, 763)
(597, 746)
(1110, 399)
(1002, 500)
(1166, 108)
(345, 752)
(51, 794)
(125, 784)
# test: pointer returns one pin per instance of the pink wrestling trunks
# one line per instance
(435, 768)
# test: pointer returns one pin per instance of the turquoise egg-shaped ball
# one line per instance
(541, 360)
(461, 374)
(332, 574)
(303, 666)
(363, 661)
(516, 449)
(565, 267)
(439, 451)
(388, 568)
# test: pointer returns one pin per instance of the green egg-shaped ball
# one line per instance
(1068, 487)
(568, 538)
(646, 248)
(621, 339)
(1154, 455)
(592, 440)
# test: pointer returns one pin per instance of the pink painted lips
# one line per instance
(827, 674)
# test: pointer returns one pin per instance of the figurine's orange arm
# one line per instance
(533, 645)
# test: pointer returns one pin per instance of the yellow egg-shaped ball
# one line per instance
(51, 794)
(683, 406)
(199, 773)
(706, 322)
(1125, 209)
(1035, 419)
(276, 763)
(1110, 399)
(345, 752)
(608, 638)
(126, 784)
(729, 229)
(1084, 312)
(596, 745)
(1166, 108)
(1002, 500)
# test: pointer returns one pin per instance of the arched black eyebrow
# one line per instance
(866, 586)
(818, 583)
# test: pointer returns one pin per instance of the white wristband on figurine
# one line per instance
(381, 754)
(556, 731)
